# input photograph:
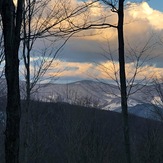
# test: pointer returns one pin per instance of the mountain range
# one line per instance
(143, 100)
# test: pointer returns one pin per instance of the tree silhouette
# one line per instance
(12, 20)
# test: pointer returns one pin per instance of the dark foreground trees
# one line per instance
(118, 7)
(123, 87)
(12, 19)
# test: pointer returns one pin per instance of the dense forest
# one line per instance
(61, 132)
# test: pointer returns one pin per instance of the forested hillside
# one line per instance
(61, 132)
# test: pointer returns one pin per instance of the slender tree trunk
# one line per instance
(28, 89)
(28, 98)
(26, 55)
(11, 29)
(123, 80)
(12, 78)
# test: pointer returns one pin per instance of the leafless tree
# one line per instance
(46, 21)
(12, 20)
(117, 7)
(156, 98)
(136, 57)
(52, 21)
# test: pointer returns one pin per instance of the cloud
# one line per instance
(70, 69)
(140, 21)
(104, 71)
(140, 18)
(81, 52)
(142, 12)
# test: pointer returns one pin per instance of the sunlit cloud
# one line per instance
(143, 12)
(140, 21)
(104, 71)
(110, 71)
(139, 18)
(70, 69)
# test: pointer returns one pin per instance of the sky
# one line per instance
(93, 54)
(156, 4)
(92, 57)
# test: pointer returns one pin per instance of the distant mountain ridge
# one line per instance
(100, 95)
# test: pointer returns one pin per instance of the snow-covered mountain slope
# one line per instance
(143, 101)
(101, 95)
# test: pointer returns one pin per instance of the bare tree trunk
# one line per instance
(11, 29)
(26, 56)
(123, 80)
(28, 88)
